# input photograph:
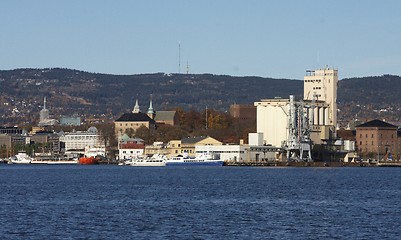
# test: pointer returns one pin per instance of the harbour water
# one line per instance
(115, 202)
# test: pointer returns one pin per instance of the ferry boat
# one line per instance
(21, 158)
(201, 160)
(156, 160)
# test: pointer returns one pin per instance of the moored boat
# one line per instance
(88, 160)
(156, 160)
(201, 160)
(21, 158)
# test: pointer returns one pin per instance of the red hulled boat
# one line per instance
(88, 160)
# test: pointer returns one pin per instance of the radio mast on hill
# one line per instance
(179, 56)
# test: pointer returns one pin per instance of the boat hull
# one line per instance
(88, 160)
(195, 163)
(148, 164)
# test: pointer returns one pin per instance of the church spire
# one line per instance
(151, 112)
(136, 107)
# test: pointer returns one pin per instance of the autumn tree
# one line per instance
(146, 134)
(165, 133)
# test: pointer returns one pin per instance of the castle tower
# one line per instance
(136, 107)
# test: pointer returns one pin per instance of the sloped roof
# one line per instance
(165, 115)
(192, 140)
(135, 117)
(377, 123)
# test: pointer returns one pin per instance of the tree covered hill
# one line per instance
(73, 92)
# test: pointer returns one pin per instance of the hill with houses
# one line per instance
(96, 95)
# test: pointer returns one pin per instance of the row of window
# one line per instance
(80, 137)
(366, 143)
(317, 88)
(314, 80)
(132, 152)
(132, 124)
(381, 135)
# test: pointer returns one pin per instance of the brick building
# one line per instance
(377, 139)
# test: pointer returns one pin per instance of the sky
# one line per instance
(266, 38)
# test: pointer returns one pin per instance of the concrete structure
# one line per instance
(319, 107)
(321, 85)
(377, 139)
(262, 153)
(224, 152)
(272, 120)
(76, 141)
(255, 139)
(44, 116)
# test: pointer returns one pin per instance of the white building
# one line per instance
(76, 141)
(223, 152)
(320, 95)
(271, 120)
(321, 85)
(129, 148)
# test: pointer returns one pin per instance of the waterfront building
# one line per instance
(134, 120)
(129, 148)
(321, 85)
(75, 142)
(187, 145)
(320, 94)
(377, 139)
(174, 147)
(223, 152)
(49, 141)
(157, 148)
(271, 120)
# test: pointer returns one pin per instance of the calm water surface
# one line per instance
(115, 202)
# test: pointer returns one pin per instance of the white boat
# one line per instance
(201, 160)
(157, 160)
(21, 158)
(57, 162)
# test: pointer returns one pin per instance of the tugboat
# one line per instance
(88, 160)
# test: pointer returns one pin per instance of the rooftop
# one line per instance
(135, 117)
(377, 123)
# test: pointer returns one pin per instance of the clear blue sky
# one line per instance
(279, 39)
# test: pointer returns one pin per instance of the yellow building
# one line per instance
(134, 120)
(187, 145)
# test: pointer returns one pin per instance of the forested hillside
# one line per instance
(73, 92)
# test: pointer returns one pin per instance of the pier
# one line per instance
(311, 164)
